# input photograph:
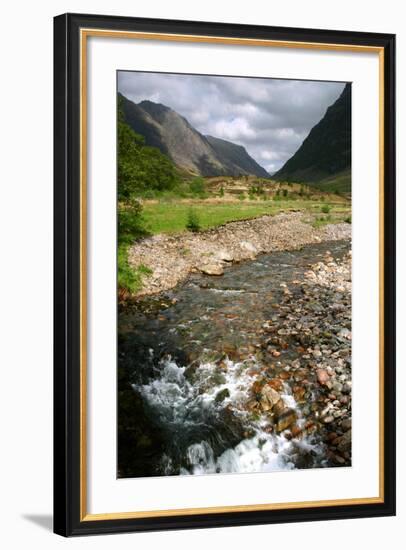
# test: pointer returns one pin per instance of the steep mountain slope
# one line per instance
(236, 157)
(162, 127)
(326, 152)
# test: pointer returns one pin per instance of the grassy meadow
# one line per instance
(171, 216)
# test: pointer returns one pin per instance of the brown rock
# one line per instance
(279, 407)
(296, 431)
(276, 384)
(298, 393)
(269, 398)
(322, 377)
(285, 420)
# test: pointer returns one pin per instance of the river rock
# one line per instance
(211, 269)
(322, 377)
(249, 247)
(345, 442)
(345, 333)
(296, 431)
(298, 393)
(269, 398)
(346, 387)
(285, 419)
(276, 384)
(223, 394)
(224, 256)
(346, 424)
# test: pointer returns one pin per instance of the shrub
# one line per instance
(326, 208)
(130, 223)
(197, 186)
(285, 192)
(149, 194)
(193, 222)
(241, 196)
(348, 219)
(221, 191)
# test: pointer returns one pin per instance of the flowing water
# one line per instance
(192, 355)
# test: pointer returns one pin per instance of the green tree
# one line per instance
(140, 168)
(130, 175)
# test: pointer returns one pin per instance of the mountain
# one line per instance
(190, 150)
(236, 157)
(324, 158)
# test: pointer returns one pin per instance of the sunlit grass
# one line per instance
(172, 217)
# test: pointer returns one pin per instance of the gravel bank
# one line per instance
(315, 319)
(172, 257)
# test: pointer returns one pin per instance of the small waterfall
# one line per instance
(200, 400)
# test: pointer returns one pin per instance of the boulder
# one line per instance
(211, 269)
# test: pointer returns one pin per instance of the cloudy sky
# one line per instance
(269, 117)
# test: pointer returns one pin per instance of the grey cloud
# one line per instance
(269, 117)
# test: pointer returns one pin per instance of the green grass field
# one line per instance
(172, 217)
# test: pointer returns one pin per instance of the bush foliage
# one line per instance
(193, 222)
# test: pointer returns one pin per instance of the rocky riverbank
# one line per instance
(314, 318)
(172, 258)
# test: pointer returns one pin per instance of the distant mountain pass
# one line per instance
(324, 158)
(190, 150)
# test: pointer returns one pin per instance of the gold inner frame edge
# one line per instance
(84, 34)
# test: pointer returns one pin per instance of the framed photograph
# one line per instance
(224, 274)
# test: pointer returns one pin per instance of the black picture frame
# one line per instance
(67, 351)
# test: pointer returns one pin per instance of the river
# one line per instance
(192, 357)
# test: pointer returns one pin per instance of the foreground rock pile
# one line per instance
(172, 257)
